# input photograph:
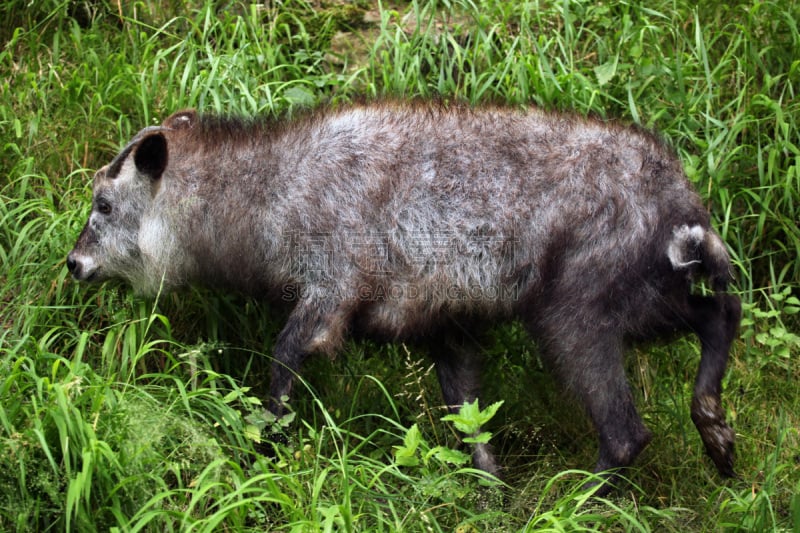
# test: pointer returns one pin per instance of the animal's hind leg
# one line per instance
(591, 363)
(458, 366)
(715, 319)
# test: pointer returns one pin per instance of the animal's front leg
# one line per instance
(315, 325)
(458, 368)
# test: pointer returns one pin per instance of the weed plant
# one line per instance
(118, 414)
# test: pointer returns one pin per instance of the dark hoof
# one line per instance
(266, 447)
(604, 484)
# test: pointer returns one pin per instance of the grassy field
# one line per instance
(118, 414)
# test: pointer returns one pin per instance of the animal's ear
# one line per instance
(182, 120)
(151, 155)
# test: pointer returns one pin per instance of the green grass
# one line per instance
(118, 414)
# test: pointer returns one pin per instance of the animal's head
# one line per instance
(124, 212)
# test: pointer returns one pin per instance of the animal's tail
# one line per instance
(699, 250)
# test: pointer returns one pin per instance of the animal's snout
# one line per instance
(83, 267)
(80, 268)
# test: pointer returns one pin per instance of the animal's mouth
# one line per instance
(82, 276)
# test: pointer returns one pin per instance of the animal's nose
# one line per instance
(71, 263)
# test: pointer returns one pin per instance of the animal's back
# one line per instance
(430, 208)
(425, 210)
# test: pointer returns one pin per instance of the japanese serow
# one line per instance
(426, 222)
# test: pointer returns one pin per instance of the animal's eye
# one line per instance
(103, 207)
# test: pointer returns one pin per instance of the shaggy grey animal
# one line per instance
(427, 222)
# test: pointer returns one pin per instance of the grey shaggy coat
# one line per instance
(426, 222)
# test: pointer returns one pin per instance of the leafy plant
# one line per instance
(767, 327)
(415, 450)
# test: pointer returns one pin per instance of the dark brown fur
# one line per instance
(406, 221)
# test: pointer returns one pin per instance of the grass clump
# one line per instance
(123, 415)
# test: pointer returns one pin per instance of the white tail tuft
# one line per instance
(695, 245)
(683, 248)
